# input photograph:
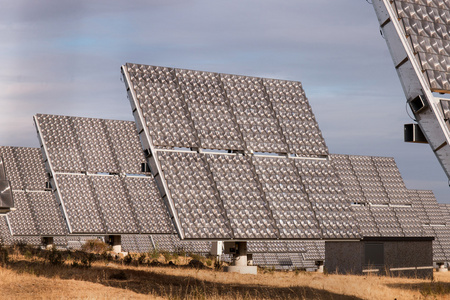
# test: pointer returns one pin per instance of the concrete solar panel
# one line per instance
(417, 35)
(100, 176)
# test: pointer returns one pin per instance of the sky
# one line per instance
(63, 57)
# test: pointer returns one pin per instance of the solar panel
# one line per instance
(417, 34)
(381, 202)
(254, 113)
(101, 182)
(136, 243)
(433, 220)
(287, 197)
(290, 197)
(5, 233)
(37, 211)
(253, 197)
(22, 220)
(445, 208)
(426, 24)
(210, 110)
(387, 222)
(431, 207)
(245, 204)
(181, 108)
(6, 197)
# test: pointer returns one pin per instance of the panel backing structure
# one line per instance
(100, 177)
(37, 212)
(417, 34)
(237, 157)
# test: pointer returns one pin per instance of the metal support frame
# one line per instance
(428, 112)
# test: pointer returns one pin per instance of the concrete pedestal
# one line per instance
(240, 259)
(319, 265)
(242, 269)
(48, 242)
(116, 242)
(442, 268)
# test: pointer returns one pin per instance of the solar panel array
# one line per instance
(222, 196)
(433, 220)
(194, 109)
(233, 192)
(96, 168)
(283, 261)
(381, 200)
(37, 211)
(426, 25)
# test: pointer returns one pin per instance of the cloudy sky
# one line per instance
(64, 57)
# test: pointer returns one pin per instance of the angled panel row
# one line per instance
(24, 168)
(225, 196)
(79, 145)
(194, 109)
(112, 204)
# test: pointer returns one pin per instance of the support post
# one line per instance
(239, 262)
(48, 242)
(116, 242)
(442, 267)
(319, 264)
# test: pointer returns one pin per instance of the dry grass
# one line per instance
(26, 276)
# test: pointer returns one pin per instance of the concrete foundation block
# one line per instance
(241, 269)
(442, 268)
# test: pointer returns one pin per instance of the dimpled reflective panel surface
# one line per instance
(426, 24)
(380, 201)
(194, 109)
(37, 211)
(241, 157)
(99, 175)
(433, 220)
(255, 197)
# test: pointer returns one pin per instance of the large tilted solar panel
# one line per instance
(417, 35)
(380, 199)
(433, 221)
(37, 211)
(180, 115)
(99, 172)
(194, 109)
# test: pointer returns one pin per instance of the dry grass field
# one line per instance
(32, 274)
